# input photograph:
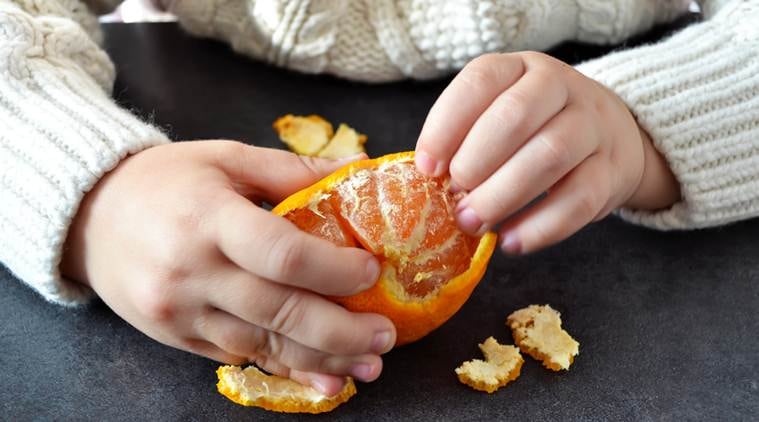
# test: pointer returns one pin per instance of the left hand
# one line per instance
(510, 127)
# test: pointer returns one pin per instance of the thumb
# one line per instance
(275, 174)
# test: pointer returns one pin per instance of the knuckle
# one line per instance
(230, 152)
(187, 219)
(230, 340)
(173, 273)
(600, 201)
(550, 83)
(233, 150)
(588, 206)
(337, 341)
(462, 174)
(170, 261)
(157, 301)
(533, 55)
(265, 362)
(513, 112)
(481, 71)
(499, 204)
(193, 345)
(309, 164)
(541, 236)
(539, 60)
(290, 315)
(289, 256)
(556, 151)
(271, 344)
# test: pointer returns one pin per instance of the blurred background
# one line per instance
(145, 11)
(137, 11)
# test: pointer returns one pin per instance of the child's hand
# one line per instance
(170, 242)
(510, 127)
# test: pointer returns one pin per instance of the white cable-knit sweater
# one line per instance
(697, 93)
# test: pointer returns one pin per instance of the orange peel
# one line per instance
(537, 331)
(305, 135)
(251, 387)
(345, 143)
(314, 136)
(502, 365)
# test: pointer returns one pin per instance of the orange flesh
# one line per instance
(401, 216)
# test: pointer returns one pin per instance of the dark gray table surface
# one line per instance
(667, 321)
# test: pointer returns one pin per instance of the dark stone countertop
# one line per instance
(667, 321)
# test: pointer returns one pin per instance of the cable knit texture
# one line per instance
(59, 133)
(696, 93)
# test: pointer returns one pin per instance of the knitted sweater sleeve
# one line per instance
(697, 95)
(59, 133)
(383, 40)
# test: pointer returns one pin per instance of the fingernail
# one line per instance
(511, 244)
(428, 165)
(372, 273)
(462, 204)
(351, 158)
(454, 188)
(381, 342)
(318, 386)
(468, 221)
(361, 371)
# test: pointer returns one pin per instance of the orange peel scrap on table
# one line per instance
(537, 331)
(251, 387)
(502, 365)
(314, 136)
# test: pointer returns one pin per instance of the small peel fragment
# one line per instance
(251, 387)
(314, 136)
(345, 143)
(502, 365)
(537, 331)
(305, 135)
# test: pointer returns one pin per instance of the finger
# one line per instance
(211, 351)
(575, 201)
(509, 121)
(273, 174)
(305, 317)
(241, 338)
(275, 249)
(458, 107)
(329, 385)
(556, 149)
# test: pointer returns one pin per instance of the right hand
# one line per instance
(171, 241)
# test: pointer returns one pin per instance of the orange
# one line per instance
(429, 267)
(251, 387)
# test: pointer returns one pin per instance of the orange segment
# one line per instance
(251, 387)
(429, 267)
(320, 219)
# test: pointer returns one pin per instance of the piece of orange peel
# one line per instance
(502, 365)
(314, 136)
(251, 387)
(537, 331)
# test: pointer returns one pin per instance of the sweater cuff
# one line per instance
(59, 134)
(697, 96)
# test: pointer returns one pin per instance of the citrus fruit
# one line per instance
(384, 205)
(251, 387)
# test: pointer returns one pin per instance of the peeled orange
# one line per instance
(384, 205)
